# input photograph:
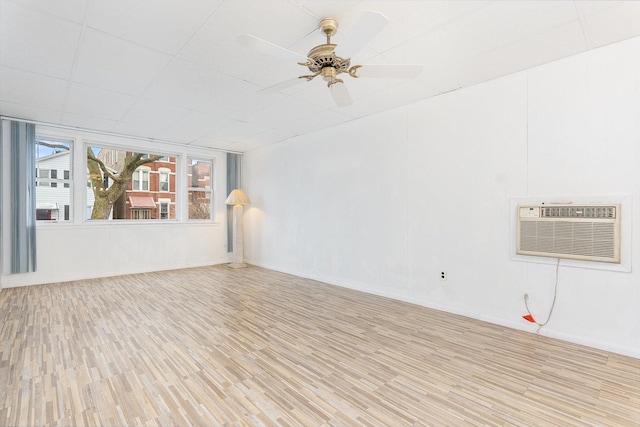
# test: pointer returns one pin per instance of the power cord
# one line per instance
(555, 294)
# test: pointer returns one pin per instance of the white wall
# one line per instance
(84, 249)
(68, 252)
(383, 204)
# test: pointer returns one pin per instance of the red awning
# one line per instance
(142, 202)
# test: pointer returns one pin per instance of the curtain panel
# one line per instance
(234, 180)
(18, 203)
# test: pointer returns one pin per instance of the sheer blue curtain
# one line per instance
(19, 198)
(234, 175)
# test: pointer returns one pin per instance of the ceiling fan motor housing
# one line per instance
(323, 56)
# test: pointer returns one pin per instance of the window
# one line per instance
(141, 180)
(164, 206)
(164, 180)
(200, 193)
(146, 178)
(140, 213)
(43, 215)
(53, 194)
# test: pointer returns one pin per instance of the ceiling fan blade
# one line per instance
(366, 27)
(269, 48)
(280, 86)
(390, 71)
(340, 94)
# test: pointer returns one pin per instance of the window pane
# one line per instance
(164, 210)
(138, 198)
(199, 174)
(199, 204)
(145, 180)
(53, 194)
(164, 181)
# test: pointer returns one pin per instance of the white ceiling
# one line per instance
(172, 70)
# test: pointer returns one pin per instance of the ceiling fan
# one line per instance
(322, 60)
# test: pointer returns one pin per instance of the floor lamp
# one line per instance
(238, 199)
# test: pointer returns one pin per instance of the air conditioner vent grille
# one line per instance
(578, 211)
(579, 232)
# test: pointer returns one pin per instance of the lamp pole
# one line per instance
(238, 243)
(238, 199)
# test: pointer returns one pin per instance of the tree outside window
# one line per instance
(121, 185)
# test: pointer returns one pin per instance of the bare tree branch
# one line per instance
(106, 197)
(52, 145)
(103, 167)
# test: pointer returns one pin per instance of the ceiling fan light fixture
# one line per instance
(329, 74)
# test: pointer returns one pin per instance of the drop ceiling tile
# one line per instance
(365, 87)
(469, 35)
(336, 9)
(161, 26)
(211, 142)
(282, 112)
(149, 119)
(193, 126)
(23, 87)
(141, 130)
(559, 42)
(71, 10)
(153, 115)
(96, 102)
(240, 99)
(37, 42)
(221, 54)
(188, 85)
(273, 71)
(279, 21)
(512, 21)
(244, 146)
(237, 131)
(215, 44)
(320, 120)
(410, 19)
(29, 112)
(268, 137)
(404, 93)
(317, 93)
(613, 24)
(87, 122)
(111, 63)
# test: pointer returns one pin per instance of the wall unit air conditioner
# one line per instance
(589, 232)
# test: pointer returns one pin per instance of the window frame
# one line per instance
(78, 206)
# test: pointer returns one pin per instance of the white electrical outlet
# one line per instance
(443, 275)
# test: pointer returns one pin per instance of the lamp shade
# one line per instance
(237, 197)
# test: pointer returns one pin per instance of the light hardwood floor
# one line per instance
(214, 346)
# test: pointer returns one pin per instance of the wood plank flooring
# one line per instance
(214, 346)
